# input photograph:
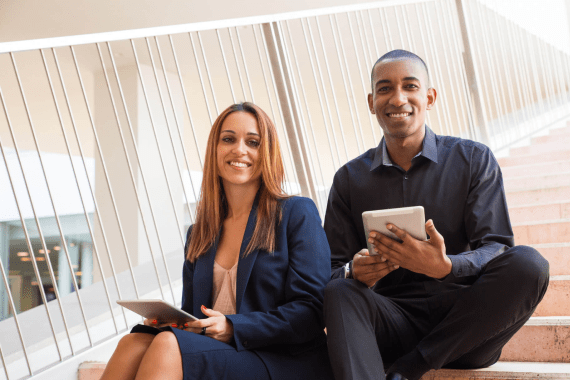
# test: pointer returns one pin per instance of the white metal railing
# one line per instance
(120, 120)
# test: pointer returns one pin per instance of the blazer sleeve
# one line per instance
(299, 319)
(187, 278)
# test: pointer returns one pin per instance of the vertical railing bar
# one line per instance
(274, 114)
(302, 85)
(178, 123)
(502, 58)
(438, 76)
(189, 114)
(374, 40)
(237, 64)
(545, 72)
(559, 75)
(129, 165)
(364, 38)
(226, 65)
(1, 353)
(208, 72)
(349, 92)
(30, 247)
(281, 113)
(459, 110)
(153, 125)
(56, 215)
(495, 91)
(331, 82)
(484, 86)
(361, 75)
(523, 77)
(9, 293)
(514, 51)
(461, 75)
(108, 180)
(399, 28)
(553, 72)
(298, 101)
(95, 249)
(309, 50)
(281, 65)
(407, 28)
(66, 96)
(564, 67)
(320, 72)
(427, 49)
(385, 28)
(201, 80)
(536, 80)
(244, 65)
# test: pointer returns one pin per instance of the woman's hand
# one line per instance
(217, 325)
(158, 324)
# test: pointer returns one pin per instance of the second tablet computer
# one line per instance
(410, 219)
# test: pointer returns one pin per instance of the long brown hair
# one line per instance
(212, 206)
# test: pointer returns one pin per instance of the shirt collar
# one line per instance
(429, 151)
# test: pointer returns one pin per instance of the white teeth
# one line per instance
(239, 164)
(399, 114)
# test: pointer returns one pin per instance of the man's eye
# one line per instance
(383, 89)
(412, 86)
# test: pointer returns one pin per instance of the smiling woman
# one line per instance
(257, 262)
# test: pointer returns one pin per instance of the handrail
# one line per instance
(52, 42)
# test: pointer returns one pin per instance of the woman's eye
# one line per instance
(227, 139)
(254, 143)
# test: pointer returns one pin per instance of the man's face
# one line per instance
(401, 97)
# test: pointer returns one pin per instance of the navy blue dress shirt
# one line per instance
(457, 181)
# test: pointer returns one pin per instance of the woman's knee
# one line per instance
(135, 341)
(164, 342)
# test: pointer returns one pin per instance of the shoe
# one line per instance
(395, 376)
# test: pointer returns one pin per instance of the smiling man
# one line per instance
(452, 301)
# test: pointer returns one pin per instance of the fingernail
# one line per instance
(382, 259)
(174, 325)
(154, 321)
(396, 266)
(371, 240)
(203, 307)
(373, 234)
(186, 324)
(390, 227)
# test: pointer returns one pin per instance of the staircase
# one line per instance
(537, 183)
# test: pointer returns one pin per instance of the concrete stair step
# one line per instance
(550, 138)
(559, 143)
(537, 195)
(556, 301)
(505, 371)
(541, 339)
(540, 180)
(540, 211)
(91, 370)
(558, 256)
(541, 232)
(543, 168)
(561, 131)
(558, 155)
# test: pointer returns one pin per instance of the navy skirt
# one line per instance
(206, 358)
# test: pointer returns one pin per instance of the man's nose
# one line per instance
(398, 98)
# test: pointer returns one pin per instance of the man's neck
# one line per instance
(402, 150)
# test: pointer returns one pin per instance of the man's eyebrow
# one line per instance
(381, 81)
(249, 133)
(411, 78)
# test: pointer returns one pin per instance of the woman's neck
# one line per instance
(240, 199)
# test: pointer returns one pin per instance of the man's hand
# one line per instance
(370, 269)
(426, 257)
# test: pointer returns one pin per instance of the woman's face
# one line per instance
(238, 150)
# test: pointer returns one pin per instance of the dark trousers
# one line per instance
(432, 324)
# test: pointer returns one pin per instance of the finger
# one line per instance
(209, 312)
(403, 235)
(386, 241)
(434, 235)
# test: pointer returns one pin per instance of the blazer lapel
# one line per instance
(203, 280)
(245, 264)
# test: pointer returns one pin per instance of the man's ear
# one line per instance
(370, 103)
(432, 95)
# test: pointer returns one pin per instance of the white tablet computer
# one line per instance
(157, 309)
(409, 219)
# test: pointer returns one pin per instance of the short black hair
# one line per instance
(399, 54)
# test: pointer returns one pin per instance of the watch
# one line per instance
(348, 270)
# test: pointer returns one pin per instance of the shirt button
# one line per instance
(405, 177)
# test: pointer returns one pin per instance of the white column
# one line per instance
(5, 257)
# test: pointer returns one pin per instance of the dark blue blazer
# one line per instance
(279, 295)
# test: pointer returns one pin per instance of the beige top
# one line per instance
(224, 290)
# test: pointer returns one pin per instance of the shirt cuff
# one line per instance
(458, 266)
